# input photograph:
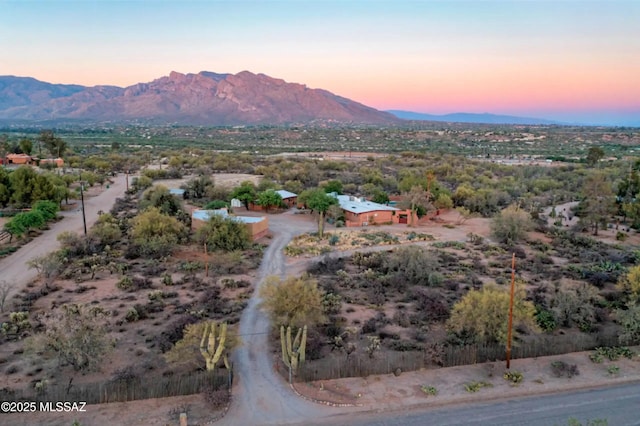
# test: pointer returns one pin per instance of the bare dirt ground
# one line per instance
(228, 180)
(261, 396)
(388, 392)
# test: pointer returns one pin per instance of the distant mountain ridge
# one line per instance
(465, 117)
(206, 98)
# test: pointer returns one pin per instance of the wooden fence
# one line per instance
(123, 390)
(360, 365)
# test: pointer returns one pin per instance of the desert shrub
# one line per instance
(326, 265)
(429, 390)
(413, 265)
(613, 370)
(404, 345)
(17, 325)
(630, 283)
(77, 335)
(511, 225)
(174, 331)
(155, 233)
(331, 303)
(401, 318)
(473, 387)
(370, 326)
(545, 319)
(126, 375)
(133, 283)
(562, 369)
(483, 314)
(167, 279)
(315, 343)
(575, 307)
(224, 263)
(373, 260)
(216, 399)
(612, 353)
(629, 319)
(514, 377)
(430, 304)
(224, 234)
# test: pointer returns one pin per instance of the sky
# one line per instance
(573, 61)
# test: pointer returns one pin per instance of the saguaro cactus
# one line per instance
(293, 353)
(212, 344)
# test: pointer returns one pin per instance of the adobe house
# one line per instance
(58, 162)
(289, 198)
(21, 159)
(257, 226)
(360, 212)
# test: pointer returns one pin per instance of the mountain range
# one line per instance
(212, 99)
(466, 117)
(205, 98)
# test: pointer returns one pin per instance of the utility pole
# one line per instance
(84, 219)
(126, 176)
(510, 324)
(206, 261)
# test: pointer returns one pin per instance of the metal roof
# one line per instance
(360, 205)
(285, 194)
(205, 215)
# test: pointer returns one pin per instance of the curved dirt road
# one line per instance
(261, 396)
(14, 269)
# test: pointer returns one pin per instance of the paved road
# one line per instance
(14, 269)
(260, 395)
(619, 405)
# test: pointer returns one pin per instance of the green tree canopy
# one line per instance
(77, 335)
(159, 196)
(598, 202)
(106, 229)
(594, 155)
(197, 187)
(511, 225)
(26, 146)
(483, 314)
(297, 301)
(223, 233)
(333, 186)
(320, 201)
(269, 198)
(630, 283)
(246, 193)
(155, 233)
(27, 186)
(380, 197)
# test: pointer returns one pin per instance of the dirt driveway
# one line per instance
(262, 397)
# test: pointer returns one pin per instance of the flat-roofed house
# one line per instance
(19, 159)
(58, 162)
(257, 226)
(360, 212)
